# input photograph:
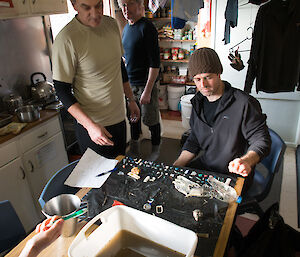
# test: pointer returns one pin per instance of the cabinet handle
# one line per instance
(32, 167)
(33, 1)
(24, 1)
(44, 134)
(23, 172)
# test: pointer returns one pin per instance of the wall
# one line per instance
(282, 109)
(23, 51)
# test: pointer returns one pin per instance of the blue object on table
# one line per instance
(55, 185)
(106, 172)
(12, 229)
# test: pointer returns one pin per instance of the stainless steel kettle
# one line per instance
(42, 91)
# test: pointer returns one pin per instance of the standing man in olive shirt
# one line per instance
(87, 75)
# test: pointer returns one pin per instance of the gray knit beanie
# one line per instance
(205, 60)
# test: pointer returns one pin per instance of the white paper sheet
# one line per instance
(90, 165)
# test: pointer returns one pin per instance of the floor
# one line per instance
(288, 202)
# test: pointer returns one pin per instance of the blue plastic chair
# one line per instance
(12, 230)
(262, 183)
(55, 185)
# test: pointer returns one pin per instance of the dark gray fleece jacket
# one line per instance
(239, 126)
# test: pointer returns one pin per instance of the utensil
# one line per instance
(12, 102)
(64, 205)
(72, 215)
(42, 91)
(28, 113)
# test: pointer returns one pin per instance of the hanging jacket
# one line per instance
(231, 17)
(275, 51)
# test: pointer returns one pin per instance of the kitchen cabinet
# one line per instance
(14, 187)
(42, 162)
(28, 8)
(27, 162)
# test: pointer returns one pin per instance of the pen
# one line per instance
(106, 172)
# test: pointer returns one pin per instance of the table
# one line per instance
(61, 245)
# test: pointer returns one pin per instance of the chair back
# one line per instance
(12, 230)
(273, 161)
(262, 184)
(55, 185)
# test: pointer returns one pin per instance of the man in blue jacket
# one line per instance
(228, 128)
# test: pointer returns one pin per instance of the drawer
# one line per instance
(39, 134)
(8, 153)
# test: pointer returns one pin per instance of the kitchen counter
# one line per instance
(45, 115)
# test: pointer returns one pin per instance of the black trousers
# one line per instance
(118, 132)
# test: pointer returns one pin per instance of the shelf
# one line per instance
(177, 40)
(179, 61)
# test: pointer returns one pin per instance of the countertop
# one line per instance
(45, 115)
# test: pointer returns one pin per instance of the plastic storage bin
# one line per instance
(174, 94)
(140, 223)
(186, 110)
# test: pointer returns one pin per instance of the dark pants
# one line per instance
(149, 115)
(118, 132)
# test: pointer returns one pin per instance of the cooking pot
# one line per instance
(28, 113)
(12, 102)
(43, 91)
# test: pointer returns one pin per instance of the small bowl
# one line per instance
(28, 113)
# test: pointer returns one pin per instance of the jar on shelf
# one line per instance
(149, 14)
(175, 53)
(167, 54)
(190, 35)
(169, 13)
(163, 13)
(181, 54)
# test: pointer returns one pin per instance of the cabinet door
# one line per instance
(43, 7)
(14, 187)
(18, 8)
(43, 161)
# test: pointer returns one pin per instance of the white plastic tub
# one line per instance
(186, 110)
(145, 225)
(174, 94)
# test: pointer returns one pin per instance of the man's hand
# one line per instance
(99, 134)
(134, 111)
(145, 97)
(239, 166)
(244, 165)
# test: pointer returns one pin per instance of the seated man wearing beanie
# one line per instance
(228, 129)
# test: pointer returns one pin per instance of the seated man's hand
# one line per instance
(240, 167)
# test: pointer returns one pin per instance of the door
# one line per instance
(43, 161)
(14, 187)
